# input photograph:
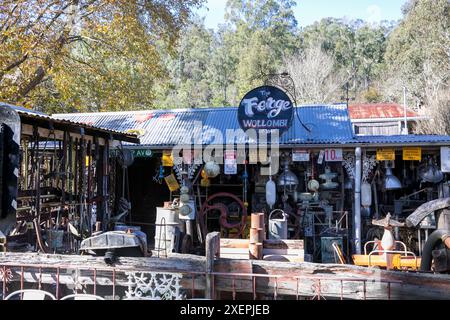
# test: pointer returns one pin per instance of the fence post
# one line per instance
(212, 251)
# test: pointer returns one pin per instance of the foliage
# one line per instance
(85, 54)
(92, 55)
(418, 52)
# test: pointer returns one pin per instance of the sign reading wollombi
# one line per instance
(266, 108)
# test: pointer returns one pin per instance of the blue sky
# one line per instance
(309, 11)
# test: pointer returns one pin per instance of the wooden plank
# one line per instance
(269, 244)
(296, 252)
(285, 258)
(233, 250)
(234, 243)
(283, 244)
(234, 256)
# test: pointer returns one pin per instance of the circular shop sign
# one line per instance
(267, 108)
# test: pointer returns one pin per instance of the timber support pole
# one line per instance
(212, 246)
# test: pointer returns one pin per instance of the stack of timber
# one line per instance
(273, 250)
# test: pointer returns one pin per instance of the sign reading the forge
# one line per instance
(266, 108)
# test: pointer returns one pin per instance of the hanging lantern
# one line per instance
(391, 182)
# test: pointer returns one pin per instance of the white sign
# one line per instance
(300, 156)
(445, 159)
(230, 165)
(320, 158)
(333, 155)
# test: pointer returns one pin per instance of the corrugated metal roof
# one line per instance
(32, 114)
(23, 109)
(327, 124)
(379, 111)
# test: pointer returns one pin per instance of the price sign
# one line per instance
(385, 154)
(333, 155)
(172, 183)
(300, 155)
(320, 157)
(413, 154)
(445, 159)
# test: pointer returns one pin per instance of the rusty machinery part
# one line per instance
(206, 207)
(436, 247)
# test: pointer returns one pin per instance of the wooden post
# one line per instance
(212, 251)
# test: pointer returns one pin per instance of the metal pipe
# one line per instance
(357, 214)
(405, 129)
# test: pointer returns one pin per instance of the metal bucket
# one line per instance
(278, 228)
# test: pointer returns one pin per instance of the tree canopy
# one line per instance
(86, 54)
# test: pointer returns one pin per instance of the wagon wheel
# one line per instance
(206, 207)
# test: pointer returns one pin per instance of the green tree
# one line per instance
(261, 33)
(418, 52)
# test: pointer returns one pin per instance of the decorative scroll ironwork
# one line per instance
(154, 286)
(284, 81)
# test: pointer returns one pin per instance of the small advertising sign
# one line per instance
(172, 182)
(412, 153)
(299, 155)
(320, 157)
(385, 154)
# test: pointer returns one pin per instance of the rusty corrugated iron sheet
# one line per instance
(379, 111)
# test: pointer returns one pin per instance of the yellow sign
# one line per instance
(412, 153)
(385, 154)
(172, 183)
(167, 160)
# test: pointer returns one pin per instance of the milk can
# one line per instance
(278, 228)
